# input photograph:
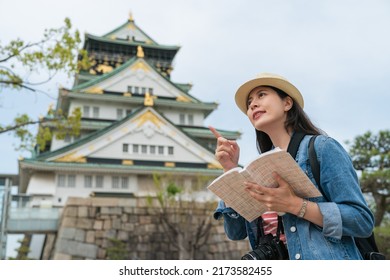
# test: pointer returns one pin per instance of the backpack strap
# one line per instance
(315, 166)
(293, 146)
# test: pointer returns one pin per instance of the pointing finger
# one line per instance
(215, 132)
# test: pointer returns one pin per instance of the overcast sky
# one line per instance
(336, 52)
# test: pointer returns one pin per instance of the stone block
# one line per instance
(85, 223)
(110, 233)
(127, 226)
(123, 235)
(59, 256)
(80, 235)
(70, 211)
(145, 220)
(107, 224)
(77, 201)
(69, 222)
(101, 255)
(77, 249)
(111, 211)
(98, 224)
(82, 212)
(67, 233)
(116, 223)
(104, 201)
(90, 236)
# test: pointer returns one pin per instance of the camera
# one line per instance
(269, 248)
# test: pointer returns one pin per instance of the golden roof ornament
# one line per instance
(149, 99)
(131, 16)
(140, 52)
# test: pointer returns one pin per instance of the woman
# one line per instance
(314, 228)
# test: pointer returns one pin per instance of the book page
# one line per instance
(230, 188)
(282, 163)
(230, 185)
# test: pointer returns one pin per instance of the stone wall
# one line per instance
(90, 227)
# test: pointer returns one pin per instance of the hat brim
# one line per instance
(244, 90)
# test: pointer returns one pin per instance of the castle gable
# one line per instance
(135, 77)
(145, 138)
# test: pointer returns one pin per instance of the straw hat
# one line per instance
(266, 79)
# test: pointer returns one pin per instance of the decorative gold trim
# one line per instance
(104, 68)
(127, 162)
(131, 18)
(182, 98)
(140, 52)
(169, 164)
(148, 116)
(149, 99)
(140, 65)
(72, 157)
(214, 166)
(94, 90)
(127, 94)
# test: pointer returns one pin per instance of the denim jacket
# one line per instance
(345, 216)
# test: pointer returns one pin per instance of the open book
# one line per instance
(230, 185)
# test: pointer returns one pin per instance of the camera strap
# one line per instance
(292, 149)
(260, 228)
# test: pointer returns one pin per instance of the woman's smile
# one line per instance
(257, 114)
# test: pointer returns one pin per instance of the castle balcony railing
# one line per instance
(24, 218)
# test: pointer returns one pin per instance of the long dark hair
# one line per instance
(296, 119)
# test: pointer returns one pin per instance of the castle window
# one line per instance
(95, 112)
(125, 148)
(182, 119)
(125, 183)
(61, 180)
(87, 181)
(153, 150)
(115, 182)
(160, 150)
(135, 149)
(99, 181)
(144, 149)
(71, 181)
(170, 150)
(86, 111)
(190, 119)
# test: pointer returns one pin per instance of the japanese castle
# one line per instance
(136, 122)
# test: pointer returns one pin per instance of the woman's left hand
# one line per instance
(280, 199)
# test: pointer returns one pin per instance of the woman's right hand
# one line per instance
(227, 151)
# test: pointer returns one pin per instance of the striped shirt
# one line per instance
(270, 224)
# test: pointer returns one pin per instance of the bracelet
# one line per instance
(302, 211)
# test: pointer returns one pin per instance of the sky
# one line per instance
(337, 53)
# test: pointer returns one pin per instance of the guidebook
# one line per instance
(230, 185)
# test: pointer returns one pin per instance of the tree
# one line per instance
(370, 154)
(24, 248)
(186, 224)
(56, 52)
